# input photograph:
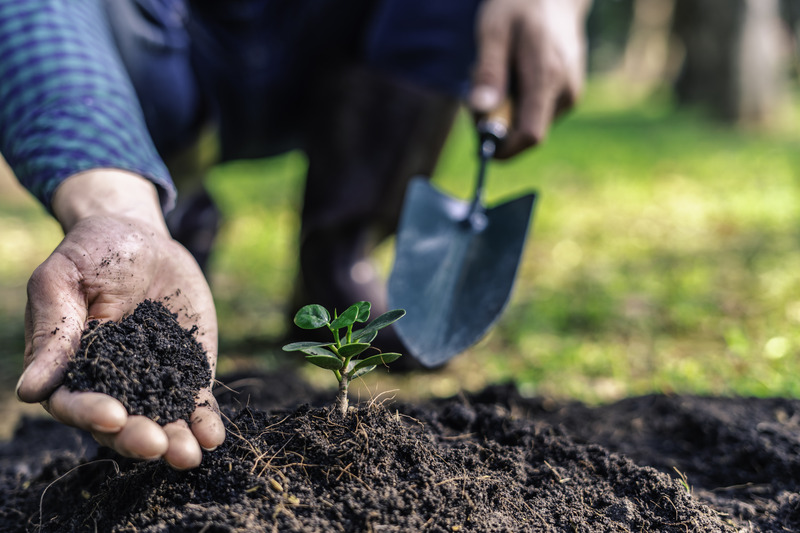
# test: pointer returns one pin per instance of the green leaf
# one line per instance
(360, 372)
(318, 350)
(348, 318)
(363, 311)
(388, 318)
(381, 322)
(300, 346)
(352, 349)
(364, 336)
(328, 362)
(377, 359)
(312, 317)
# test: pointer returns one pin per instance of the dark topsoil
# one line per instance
(492, 461)
(146, 360)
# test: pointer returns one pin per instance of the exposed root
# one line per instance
(62, 476)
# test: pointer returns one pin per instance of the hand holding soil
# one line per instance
(116, 252)
(153, 366)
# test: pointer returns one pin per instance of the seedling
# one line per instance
(340, 355)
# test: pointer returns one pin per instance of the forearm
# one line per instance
(66, 103)
(107, 192)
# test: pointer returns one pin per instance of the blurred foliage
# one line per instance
(27, 235)
(664, 257)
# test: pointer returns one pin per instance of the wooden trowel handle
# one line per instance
(493, 128)
(501, 115)
(496, 123)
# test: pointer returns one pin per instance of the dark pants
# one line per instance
(366, 88)
(257, 67)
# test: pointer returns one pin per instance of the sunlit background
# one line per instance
(665, 249)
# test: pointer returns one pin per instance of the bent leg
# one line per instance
(362, 154)
(374, 127)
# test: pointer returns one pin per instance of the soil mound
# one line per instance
(493, 461)
(460, 465)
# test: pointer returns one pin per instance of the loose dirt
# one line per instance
(492, 461)
(147, 361)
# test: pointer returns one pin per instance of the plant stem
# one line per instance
(341, 398)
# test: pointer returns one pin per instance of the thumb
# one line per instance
(490, 77)
(54, 318)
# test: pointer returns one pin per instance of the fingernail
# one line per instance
(484, 98)
(209, 449)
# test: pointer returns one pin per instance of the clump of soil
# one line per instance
(147, 361)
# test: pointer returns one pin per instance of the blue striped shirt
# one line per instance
(66, 102)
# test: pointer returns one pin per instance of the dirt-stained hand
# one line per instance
(116, 252)
(532, 51)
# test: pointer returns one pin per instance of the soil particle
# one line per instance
(147, 361)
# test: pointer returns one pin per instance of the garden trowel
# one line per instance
(455, 261)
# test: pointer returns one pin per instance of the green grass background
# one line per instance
(664, 257)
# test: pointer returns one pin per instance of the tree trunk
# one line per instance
(647, 61)
(735, 57)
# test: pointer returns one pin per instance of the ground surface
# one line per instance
(490, 461)
(487, 462)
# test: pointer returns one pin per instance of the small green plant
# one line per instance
(340, 355)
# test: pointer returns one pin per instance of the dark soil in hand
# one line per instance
(488, 462)
(147, 361)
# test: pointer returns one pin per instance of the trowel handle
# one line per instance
(494, 128)
(496, 122)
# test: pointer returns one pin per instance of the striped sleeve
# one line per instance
(66, 102)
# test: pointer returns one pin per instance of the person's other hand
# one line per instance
(532, 51)
(116, 252)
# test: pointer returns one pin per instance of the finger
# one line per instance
(206, 422)
(140, 438)
(540, 79)
(54, 319)
(91, 411)
(490, 77)
(566, 100)
(184, 451)
(531, 128)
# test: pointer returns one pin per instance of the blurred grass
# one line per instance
(664, 256)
